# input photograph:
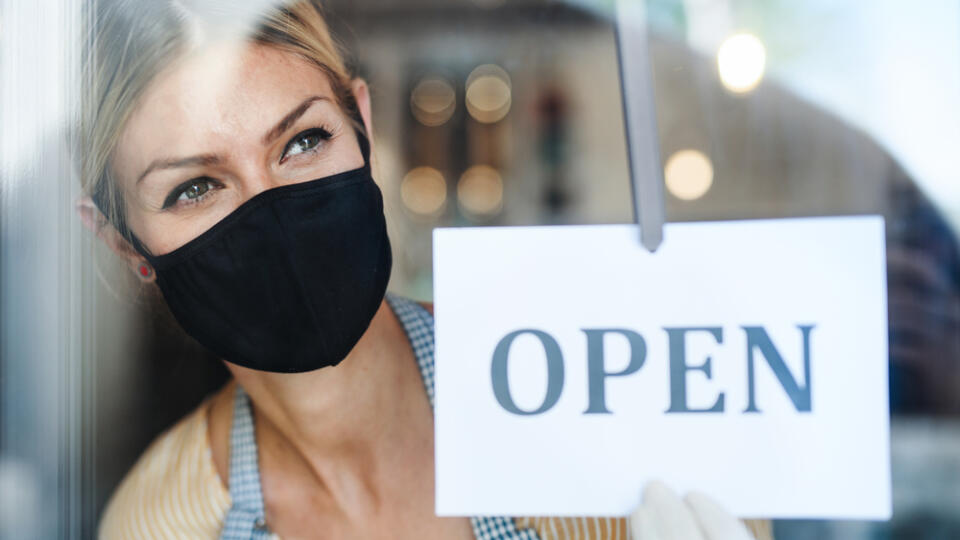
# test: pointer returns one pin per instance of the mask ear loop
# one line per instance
(101, 204)
(364, 148)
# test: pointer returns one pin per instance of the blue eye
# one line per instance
(305, 141)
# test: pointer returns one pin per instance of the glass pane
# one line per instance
(494, 113)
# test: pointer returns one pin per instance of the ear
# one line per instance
(361, 93)
(97, 223)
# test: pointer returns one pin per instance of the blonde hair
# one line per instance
(131, 41)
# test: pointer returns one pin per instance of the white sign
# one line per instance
(746, 360)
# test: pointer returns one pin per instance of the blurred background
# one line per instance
(508, 112)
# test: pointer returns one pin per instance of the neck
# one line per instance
(351, 418)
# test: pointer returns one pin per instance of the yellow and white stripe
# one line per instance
(173, 491)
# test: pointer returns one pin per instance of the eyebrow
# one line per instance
(192, 161)
(291, 117)
(213, 159)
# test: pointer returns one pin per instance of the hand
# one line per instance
(664, 516)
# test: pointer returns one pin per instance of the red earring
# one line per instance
(144, 270)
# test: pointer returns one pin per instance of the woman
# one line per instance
(229, 164)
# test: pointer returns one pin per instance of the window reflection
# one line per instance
(507, 112)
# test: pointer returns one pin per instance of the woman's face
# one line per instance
(217, 128)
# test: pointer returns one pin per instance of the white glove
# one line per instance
(664, 516)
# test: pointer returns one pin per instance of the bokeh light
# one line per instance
(480, 191)
(488, 93)
(741, 62)
(688, 174)
(433, 101)
(424, 191)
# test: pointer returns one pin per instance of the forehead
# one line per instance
(223, 92)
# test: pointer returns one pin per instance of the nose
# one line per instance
(257, 179)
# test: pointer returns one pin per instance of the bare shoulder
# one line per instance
(173, 490)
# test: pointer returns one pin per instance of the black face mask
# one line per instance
(290, 280)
